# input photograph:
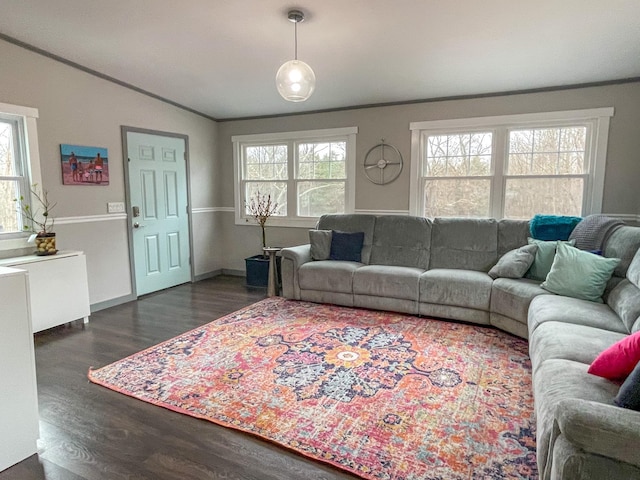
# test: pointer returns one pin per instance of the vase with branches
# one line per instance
(39, 220)
(261, 207)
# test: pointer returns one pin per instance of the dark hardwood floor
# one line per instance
(90, 432)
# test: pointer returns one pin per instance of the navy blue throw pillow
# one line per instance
(629, 393)
(346, 246)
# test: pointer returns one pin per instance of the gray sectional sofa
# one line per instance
(438, 268)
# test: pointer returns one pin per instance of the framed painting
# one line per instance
(84, 165)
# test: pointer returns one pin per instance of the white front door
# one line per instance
(158, 217)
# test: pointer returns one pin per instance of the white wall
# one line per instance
(81, 109)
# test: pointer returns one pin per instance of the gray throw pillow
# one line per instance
(320, 244)
(514, 264)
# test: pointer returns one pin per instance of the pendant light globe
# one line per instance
(295, 81)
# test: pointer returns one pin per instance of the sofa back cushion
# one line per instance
(512, 234)
(633, 272)
(352, 223)
(624, 299)
(467, 243)
(402, 241)
(623, 244)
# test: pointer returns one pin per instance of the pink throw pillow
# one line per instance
(619, 360)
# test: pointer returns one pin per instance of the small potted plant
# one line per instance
(39, 220)
(260, 207)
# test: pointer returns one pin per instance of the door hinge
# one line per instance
(187, 209)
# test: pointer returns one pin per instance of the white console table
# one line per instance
(18, 395)
(58, 287)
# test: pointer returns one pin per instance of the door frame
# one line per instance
(124, 129)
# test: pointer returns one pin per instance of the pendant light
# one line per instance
(295, 79)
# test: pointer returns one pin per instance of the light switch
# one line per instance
(115, 207)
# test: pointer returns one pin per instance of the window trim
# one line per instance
(597, 119)
(292, 220)
(15, 240)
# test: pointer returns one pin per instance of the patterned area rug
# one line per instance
(381, 395)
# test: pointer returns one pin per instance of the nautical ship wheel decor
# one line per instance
(383, 163)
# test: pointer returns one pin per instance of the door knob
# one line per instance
(137, 225)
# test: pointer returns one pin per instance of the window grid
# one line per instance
(317, 179)
(558, 170)
(14, 181)
(456, 174)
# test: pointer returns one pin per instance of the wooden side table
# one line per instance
(272, 285)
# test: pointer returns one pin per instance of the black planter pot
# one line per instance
(258, 270)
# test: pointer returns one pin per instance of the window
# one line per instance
(308, 173)
(19, 168)
(511, 166)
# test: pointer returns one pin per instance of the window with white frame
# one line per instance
(19, 168)
(512, 166)
(307, 173)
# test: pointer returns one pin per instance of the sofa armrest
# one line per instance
(292, 259)
(601, 429)
(299, 254)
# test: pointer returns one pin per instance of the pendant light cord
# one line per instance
(295, 36)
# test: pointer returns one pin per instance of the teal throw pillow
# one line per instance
(552, 227)
(579, 274)
(544, 258)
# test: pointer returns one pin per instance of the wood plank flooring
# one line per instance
(88, 432)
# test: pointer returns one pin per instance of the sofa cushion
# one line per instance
(387, 281)
(351, 223)
(328, 276)
(511, 297)
(544, 259)
(461, 288)
(554, 308)
(579, 274)
(624, 299)
(320, 241)
(402, 241)
(623, 244)
(464, 243)
(617, 361)
(633, 272)
(346, 246)
(512, 234)
(559, 379)
(515, 263)
(568, 341)
(629, 393)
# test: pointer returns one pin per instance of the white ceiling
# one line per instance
(219, 57)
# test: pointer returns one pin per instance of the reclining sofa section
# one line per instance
(419, 266)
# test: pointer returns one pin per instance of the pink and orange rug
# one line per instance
(381, 395)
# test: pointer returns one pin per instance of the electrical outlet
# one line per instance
(115, 207)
